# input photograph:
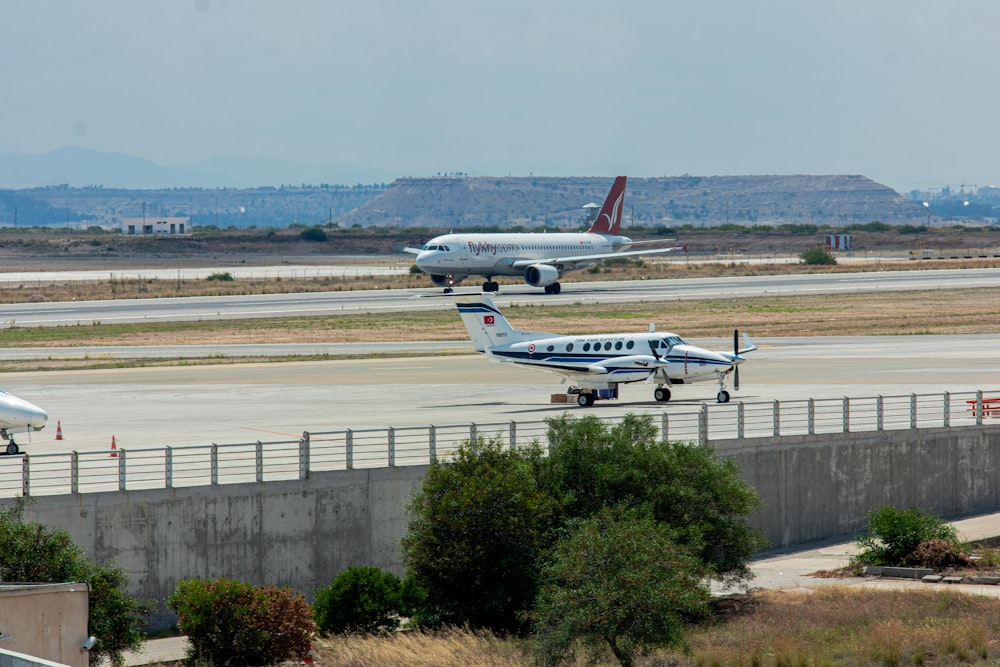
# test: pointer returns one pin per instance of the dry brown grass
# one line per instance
(851, 626)
(420, 649)
(826, 626)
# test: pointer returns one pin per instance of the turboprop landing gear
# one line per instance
(723, 395)
(661, 394)
(12, 447)
(554, 288)
(585, 399)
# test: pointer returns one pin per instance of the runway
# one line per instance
(196, 405)
(373, 301)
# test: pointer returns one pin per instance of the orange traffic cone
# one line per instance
(58, 430)
(114, 447)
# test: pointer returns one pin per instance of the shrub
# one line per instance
(231, 623)
(224, 276)
(691, 490)
(315, 234)
(894, 535)
(360, 599)
(817, 256)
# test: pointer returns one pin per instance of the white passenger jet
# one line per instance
(598, 363)
(19, 416)
(540, 257)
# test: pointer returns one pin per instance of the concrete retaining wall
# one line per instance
(819, 487)
(299, 534)
(303, 533)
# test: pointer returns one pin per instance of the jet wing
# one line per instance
(412, 251)
(571, 262)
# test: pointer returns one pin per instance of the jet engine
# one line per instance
(444, 281)
(541, 275)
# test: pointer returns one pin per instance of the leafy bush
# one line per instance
(360, 599)
(315, 234)
(691, 490)
(231, 623)
(224, 276)
(817, 256)
(894, 535)
(33, 552)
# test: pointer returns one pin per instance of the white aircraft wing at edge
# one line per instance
(576, 260)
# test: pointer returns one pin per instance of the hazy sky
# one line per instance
(905, 92)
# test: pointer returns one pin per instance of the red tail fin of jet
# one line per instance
(609, 220)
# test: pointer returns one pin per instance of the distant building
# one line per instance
(168, 226)
(839, 242)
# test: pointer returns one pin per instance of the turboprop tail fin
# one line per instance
(487, 326)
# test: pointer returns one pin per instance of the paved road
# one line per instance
(332, 303)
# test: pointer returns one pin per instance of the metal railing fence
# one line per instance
(213, 464)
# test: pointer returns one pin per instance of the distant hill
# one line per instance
(705, 200)
(449, 203)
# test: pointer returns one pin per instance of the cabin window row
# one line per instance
(596, 346)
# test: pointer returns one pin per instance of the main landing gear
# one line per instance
(585, 397)
(661, 394)
(554, 288)
(491, 286)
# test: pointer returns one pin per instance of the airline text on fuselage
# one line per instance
(486, 248)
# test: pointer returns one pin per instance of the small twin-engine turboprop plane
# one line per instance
(19, 416)
(540, 258)
(598, 363)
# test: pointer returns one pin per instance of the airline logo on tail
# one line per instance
(609, 220)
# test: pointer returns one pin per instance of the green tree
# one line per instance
(232, 623)
(475, 533)
(617, 581)
(698, 495)
(360, 599)
(817, 256)
(894, 535)
(34, 553)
